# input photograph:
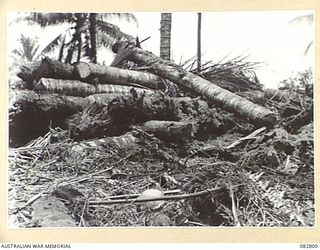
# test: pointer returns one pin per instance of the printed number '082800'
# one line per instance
(308, 246)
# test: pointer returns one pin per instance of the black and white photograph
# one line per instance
(152, 119)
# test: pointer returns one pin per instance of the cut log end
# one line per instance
(83, 69)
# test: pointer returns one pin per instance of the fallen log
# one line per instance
(49, 211)
(111, 115)
(120, 113)
(77, 88)
(28, 100)
(103, 99)
(225, 99)
(169, 131)
(30, 114)
(90, 72)
(31, 73)
(28, 71)
(126, 141)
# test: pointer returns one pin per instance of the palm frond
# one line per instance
(308, 48)
(51, 45)
(29, 46)
(59, 39)
(114, 31)
(109, 29)
(105, 40)
(236, 74)
(308, 18)
(45, 19)
(129, 17)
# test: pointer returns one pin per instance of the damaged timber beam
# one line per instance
(227, 100)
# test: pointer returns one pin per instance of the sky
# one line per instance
(265, 36)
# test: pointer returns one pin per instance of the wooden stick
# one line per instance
(130, 196)
(213, 191)
(248, 137)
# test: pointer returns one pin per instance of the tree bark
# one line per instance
(169, 131)
(119, 114)
(199, 43)
(255, 114)
(165, 36)
(126, 141)
(30, 114)
(90, 72)
(77, 88)
(28, 72)
(49, 68)
(49, 211)
(93, 42)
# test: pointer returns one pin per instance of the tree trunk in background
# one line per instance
(93, 41)
(165, 36)
(61, 49)
(199, 43)
(223, 98)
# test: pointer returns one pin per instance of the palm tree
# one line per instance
(28, 50)
(85, 27)
(165, 36)
(199, 43)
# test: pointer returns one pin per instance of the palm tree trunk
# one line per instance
(32, 72)
(225, 99)
(30, 113)
(70, 54)
(90, 72)
(126, 141)
(77, 88)
(79, 50)
(92, 29)
(199, 44)
(115, 117)
(170, 131)
(61, 49)
(165, 36)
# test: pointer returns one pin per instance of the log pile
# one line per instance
(131, 129)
